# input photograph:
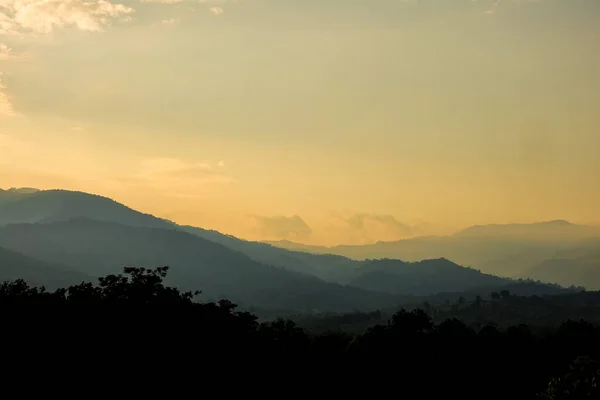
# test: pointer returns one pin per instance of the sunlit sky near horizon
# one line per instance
(322, 122)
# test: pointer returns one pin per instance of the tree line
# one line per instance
(132, 322)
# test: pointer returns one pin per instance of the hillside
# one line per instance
(421, 278)
(329, 267)
(88, 232)
(15, 266)
(15, 194)
(61, 205)
(558, 230)
(578, 266)
(507, 250)
(98, 248)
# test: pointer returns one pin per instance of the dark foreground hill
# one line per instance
(151, 338)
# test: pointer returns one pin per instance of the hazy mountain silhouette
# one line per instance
(557, 230)
(425, 277)
(15, 194)
(97, 235)
(98, 248)
(421, 278)
(507, 250)
(15, 266)
(578, 266)
(329, 267)
(60, 205)
(31, 206)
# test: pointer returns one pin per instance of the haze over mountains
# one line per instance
(59, 236)
(516, 250)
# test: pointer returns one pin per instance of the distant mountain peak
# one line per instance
(544, 229)
(22, 190)
(558, 222)
(549, 222)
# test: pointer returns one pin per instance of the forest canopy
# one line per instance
(136, 308)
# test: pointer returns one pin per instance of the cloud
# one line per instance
(169, 21)
(43, 16)
(216, 10)
(221, 164)
(494, 5)
(172, 177)
(154, 167)
(162, 1)
(182, 1)
(490, 7)
(493, 8)
(369, 228)
(281, 227)
(7, 25)
(5, 52)
(6, 107)
(361, 221)
(35, 17)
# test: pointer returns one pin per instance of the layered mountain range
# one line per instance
(57, 237)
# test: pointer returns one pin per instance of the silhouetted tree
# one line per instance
(134, 322)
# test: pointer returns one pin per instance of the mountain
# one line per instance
(582, 271)
(97, 235)
(60, 205)
(421, 278)
(15, 266)
(557, 230)
(578, 266)
(294, 246)
(15, 194)
(507, 250)
(328, 267)
(98, 248)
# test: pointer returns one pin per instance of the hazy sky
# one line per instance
(330, 121)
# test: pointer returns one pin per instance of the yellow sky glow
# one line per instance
(367, 120)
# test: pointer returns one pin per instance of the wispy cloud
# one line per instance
(5, 52)
(173, 177)
(162, 1)
(43, 16)
(368, 227)
(493, 6)
(156, 167)
(6, 107)
(216, 10)
(282, 227)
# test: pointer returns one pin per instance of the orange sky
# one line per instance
(366, 122)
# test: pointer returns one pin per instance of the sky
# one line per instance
(322, 122)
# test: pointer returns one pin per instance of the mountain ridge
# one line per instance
(56, 208)
(99, 247)
(15, 265)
